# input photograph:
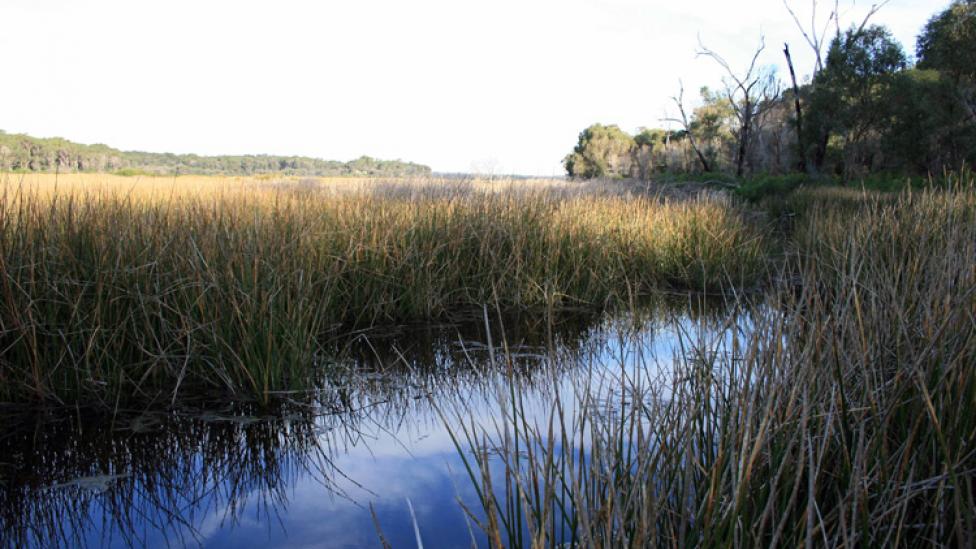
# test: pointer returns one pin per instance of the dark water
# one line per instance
(371, 453)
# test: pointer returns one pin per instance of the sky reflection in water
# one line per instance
(308, 476)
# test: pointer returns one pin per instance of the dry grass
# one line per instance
(844, 415)
(142, 289)
(146, 187)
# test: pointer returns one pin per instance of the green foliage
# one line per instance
(929, 128)
(31, 154)
(650, 137)
(948, 41)
(713, 125)
(849, 102)
(763, 186)
(650, 147)
(866, 112)
(857, 57)
(944, 91)
(602, 151)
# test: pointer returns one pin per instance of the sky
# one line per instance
(499, 86)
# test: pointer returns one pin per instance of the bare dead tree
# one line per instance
(685, 122)
(816, 35)
(875, 8)
(750, 95)
(801, 147)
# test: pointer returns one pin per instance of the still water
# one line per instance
(371, 454)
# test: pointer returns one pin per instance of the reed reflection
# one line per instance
(176, 477)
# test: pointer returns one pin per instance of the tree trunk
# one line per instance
(741, 157)
(801, 148)
(701, 157)
(820, 154)
(743, 139)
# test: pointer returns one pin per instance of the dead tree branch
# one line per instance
(750, 95)
(679, 100)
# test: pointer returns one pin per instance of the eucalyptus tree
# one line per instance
(686, 124)
(851, 96)
(948, 44)
(601, 151)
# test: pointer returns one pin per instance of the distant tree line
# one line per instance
(866, 109)
(20, 152)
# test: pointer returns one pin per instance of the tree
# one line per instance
(948, 41)
(798, 109)
(815, 37)
(750, 94)
(645, 143)
(686, 124)
(948, 44)
(602, 151)
(22, 152)
(928, 130)
(713, 124)
(849, 100)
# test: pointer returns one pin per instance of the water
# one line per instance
(372, 453)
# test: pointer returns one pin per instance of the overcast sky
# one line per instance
(501, 85)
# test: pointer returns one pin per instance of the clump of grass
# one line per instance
(844, 414)
(159, 290)
(133, 172)
(762, 186)
(777, 191)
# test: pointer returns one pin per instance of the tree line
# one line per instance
(867, 108)
(24, 153)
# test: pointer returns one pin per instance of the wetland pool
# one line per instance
(371, 455)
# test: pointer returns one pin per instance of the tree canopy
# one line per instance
(20, 152)
(601, 151)
(866, 109)
(849, 100)
(948, 41)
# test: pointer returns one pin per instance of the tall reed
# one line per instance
(112, 295)
(841, 412)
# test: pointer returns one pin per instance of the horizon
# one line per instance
(503, 88)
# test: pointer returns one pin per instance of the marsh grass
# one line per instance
(845, 415)
(143, 291)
